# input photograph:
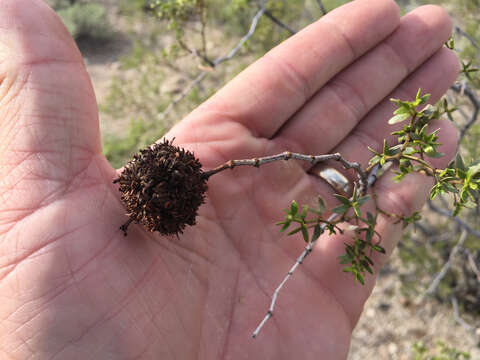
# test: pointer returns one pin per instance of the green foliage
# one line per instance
(174, 11)
(304, 224)
(148, 79)
(415, 144)
(421, 260)
(84, 19)
(450, 43)
(119, 148)
(424, 253)
(358, 255)
(468, 19)
(60, 4)
(442, 351)
(137, 96)
(468, 69)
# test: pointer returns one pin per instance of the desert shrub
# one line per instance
(440, 351)
(83, 18)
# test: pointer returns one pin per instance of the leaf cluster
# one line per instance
(358, 255)
(84, 19)
(460, 180)
(416, 144)
(302, 222)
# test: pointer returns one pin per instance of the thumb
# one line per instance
(49, 130)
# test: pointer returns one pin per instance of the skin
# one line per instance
(73, 287)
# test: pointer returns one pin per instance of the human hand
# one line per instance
(73, 287)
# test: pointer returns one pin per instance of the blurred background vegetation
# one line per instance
(161, 58)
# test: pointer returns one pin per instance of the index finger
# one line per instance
(268, 92)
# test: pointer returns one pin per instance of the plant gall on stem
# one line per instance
(162, 188)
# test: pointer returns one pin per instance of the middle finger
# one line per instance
(340, 105)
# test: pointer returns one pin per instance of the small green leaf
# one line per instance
(385, 147)
(410, 150)
(473, 170)
(317, 231)
(428, 149)
(356, 210)
(285, 226)
(424, 98)
(331, 229)
(359, 277)
(303, 215)
(378, 248)
(417, 97)
(398, 118)
(395, 149)
(293, 207)
(342, 199)
(374, 160)
(368, 260)
(342, 209)
(372, 150)
(345, 259)
(435, 154)
(295, 231)
(305, 233)
(450, 43)
(371, 219)
(321, 205)
(363, 200)
(467, 69)
(351, 227)
(367, 266)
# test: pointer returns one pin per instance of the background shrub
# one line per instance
(83, 18)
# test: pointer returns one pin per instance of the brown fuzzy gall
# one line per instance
(162, 188)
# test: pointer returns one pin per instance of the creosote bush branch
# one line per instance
(163, 187)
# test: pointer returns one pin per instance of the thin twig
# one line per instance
(242, 41)
(287, 155)
(322, 7)
(279, 23)
(473, 265)
(441, 274)
(215, 63)
(371, 178)
(184, 93)
(459, 222)
(196, 53)
(424, 229)
(203, 23)
(464, 89)
(468, 37)
(458, 318)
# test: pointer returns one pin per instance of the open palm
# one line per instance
(73, 287)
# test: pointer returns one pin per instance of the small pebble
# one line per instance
(392, 348)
